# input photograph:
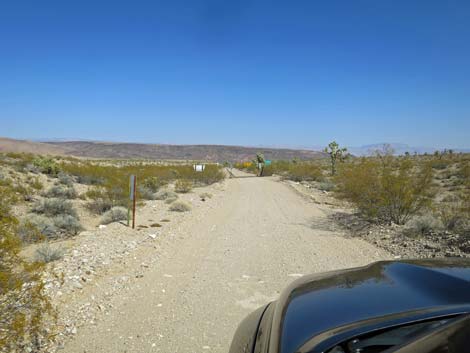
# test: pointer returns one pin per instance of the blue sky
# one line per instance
(283, 73)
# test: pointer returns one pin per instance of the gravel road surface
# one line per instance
(222, 264)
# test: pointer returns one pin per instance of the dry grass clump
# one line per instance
(115, 214)
(54, 207)
(35, 183)
(34, 227)
(61, 191)
(165, 194)
(68, 224)
(65, 179)
(46, 253)
(183, 186)
(180, 206)
(146, 193)
(424, 224)
(326, 186)
(205, 195)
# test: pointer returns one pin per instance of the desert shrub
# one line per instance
(268, 170)
(171, 199)
(153, 183)
(165, 194)
(205, 195)
(100, 200)
(304, 172)
(115, 214)
(180, 206)
(440, 164)
(386, 190)
(99, 206)
(54, 207)
(183, 186)
(68, 224)
(424, 224)
(211, 174)
(46, 165)
(326, 186)
(34, 226)
(28, 233)
(65, 179)
(25, 309)
(146, 193)
(90, 180)
(46, 253)
(36, 184)
(451, 215)
(31, 168)
(61, 191)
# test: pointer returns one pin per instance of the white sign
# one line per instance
(199, 167)
(131, 187)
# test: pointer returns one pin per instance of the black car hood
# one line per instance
(315, 304)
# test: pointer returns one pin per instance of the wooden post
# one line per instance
(133, 203)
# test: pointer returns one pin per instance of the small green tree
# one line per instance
(336, 154)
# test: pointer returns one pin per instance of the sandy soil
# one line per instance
(211, 267)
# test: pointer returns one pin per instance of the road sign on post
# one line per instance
(132, 198)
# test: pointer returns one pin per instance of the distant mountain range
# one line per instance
(215, 153)
(117, 150)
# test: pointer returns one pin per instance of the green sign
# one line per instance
(267, 162)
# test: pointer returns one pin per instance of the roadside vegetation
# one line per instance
(24, 307)
(42, 202)
(424, 194)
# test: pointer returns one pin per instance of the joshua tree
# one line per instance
(260, 163)
(336, 154)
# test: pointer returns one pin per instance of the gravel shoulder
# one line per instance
(187, 288)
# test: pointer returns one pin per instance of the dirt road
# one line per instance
(222, 264)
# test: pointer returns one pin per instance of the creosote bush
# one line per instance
(46, 165)
(180, 206)
(153, 183)
(115, 214)
(183, 186)
(386, 189)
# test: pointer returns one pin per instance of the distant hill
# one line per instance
(398, 149)
(117, 150)
(23, 146)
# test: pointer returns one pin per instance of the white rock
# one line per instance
(102, 226)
